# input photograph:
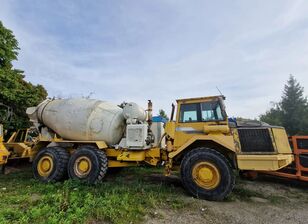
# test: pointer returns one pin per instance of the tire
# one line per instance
(95, 168)
(57, 158)
(215, 182)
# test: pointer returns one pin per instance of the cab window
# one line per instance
(201, 112)
(211, 111)
(189, 112)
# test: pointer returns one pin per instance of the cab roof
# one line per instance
(201, 99)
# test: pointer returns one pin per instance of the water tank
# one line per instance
(81, 119)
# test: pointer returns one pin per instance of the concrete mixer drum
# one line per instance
(81, 119)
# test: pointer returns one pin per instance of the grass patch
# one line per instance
(274, 199)
(125, 197)
(243, 194)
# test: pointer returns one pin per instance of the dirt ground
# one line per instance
(265, 200)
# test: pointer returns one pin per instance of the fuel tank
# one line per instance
(81, 119)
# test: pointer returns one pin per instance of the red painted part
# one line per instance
(299, 172)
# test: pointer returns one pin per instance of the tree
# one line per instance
(273, 116)
(292, 111)
(8, 47)
(15, 92)
(163, 114)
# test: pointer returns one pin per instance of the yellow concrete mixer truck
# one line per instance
(83, 138)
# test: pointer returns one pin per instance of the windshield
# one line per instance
(202, 112)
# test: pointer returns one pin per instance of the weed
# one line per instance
(117, 200)
(243, 194)
(274, 199)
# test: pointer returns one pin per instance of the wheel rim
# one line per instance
(45, 165)
(206, 175)
(82, 166)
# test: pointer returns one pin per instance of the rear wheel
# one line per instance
(50, 164)
(88, 164)
(207, 174)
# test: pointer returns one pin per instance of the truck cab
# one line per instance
(206, 147)
(201, 116)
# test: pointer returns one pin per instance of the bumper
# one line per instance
(264, 162)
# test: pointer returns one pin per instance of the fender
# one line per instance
(224, 140)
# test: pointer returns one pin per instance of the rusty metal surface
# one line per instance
(298, 169)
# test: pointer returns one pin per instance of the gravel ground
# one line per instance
(265, 200)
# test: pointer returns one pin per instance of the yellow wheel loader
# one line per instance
(20, 145)
(83, 138)
(4, 153)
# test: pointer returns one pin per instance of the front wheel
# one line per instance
(88, 164)
(207, 174)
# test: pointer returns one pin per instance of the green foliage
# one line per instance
(274, 116)
(8, 47)
(122, 198)
(15, 92)
(244, 194)
(292, 111)
(163, 114)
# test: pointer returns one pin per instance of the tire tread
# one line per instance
(191, 187)
(102, 163)
(61, 157)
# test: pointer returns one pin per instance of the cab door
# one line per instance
(193, 116)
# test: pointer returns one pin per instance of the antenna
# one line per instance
(219, 91)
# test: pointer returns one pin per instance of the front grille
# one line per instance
(255, 140)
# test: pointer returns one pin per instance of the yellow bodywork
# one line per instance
(281, 142)
(225, 141)
(20, 145)
(4, 153)
(116, 157)
(181, 136)
(263, 161)
(184, 134)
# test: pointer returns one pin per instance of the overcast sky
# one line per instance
(129, 50)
